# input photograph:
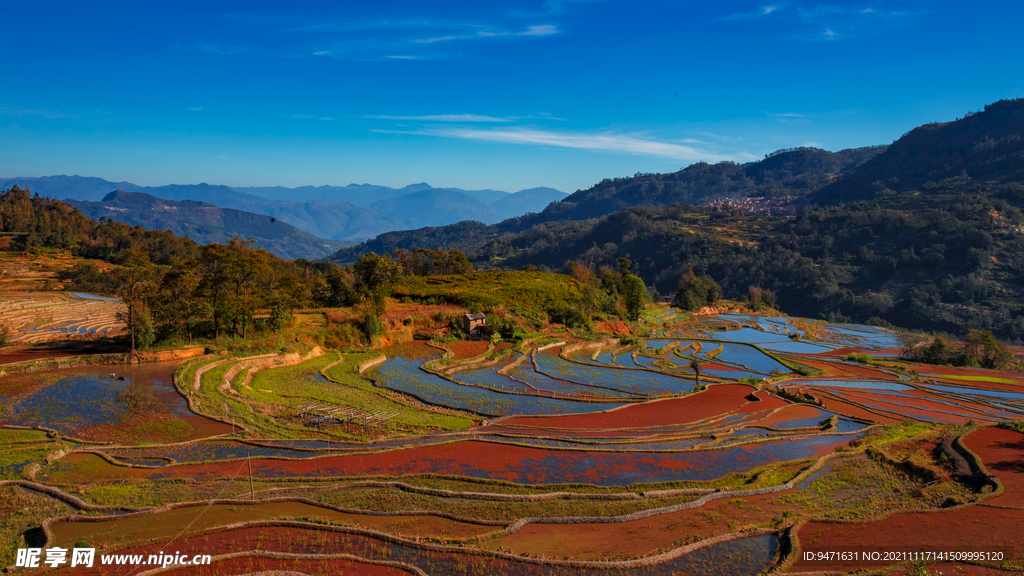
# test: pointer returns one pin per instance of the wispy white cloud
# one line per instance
(310, 117)
(838, 22)
(538, 30)
(788, 115)
(387, 36)
(196, 109)
(758, 14)
(819, 22)
(606, 142)
(446, 118)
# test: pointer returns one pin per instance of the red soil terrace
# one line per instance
(717, 400)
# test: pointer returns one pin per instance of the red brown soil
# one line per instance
(121, 532)
(838, 352)
(309, 567)
(1002, 451)
(512, 463)
(908, 413)
(615, 328)
(276, 539)
(866, 372)
(722, 367)
(828, 368)
(464, 349)
(717, 400)
(835, 404)
(642, 537)
(982, 410)
(791, 412)
(141, 428)
(923, 409)
(765, 402)
(311, 541)
(56, 350)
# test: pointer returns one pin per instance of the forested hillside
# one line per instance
(985, 145)
(786, 172)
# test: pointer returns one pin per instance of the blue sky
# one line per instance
(504, 95)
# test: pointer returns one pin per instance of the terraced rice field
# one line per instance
(610, 457)
(47, 316)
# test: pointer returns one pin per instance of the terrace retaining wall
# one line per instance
(371, 363)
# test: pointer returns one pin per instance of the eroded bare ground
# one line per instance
(546, 455)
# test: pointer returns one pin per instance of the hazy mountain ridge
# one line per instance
(357, 194)
(363, 211)
(205, 223)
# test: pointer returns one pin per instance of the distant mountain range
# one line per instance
(205, 223)
(354, 212)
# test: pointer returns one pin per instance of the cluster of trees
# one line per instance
(424, 262)
(227, 289)
(608, 292)
(695, 292)
(980, 348)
